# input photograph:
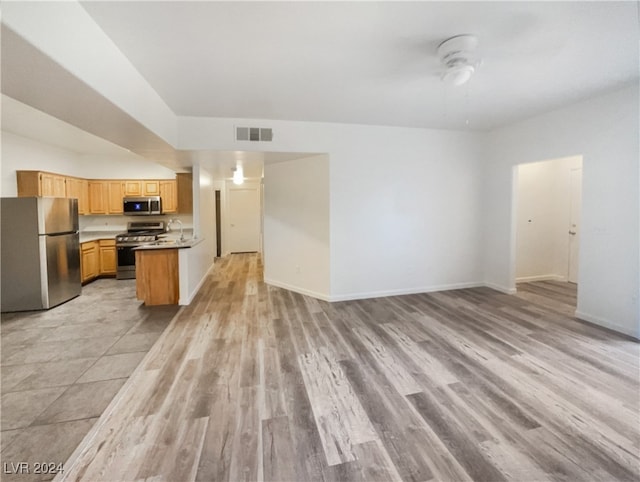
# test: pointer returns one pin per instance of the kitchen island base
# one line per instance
(157, 276)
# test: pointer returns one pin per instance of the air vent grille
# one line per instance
(254, 134)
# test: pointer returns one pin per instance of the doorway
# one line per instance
(218, 224)
(574, 223)
(244, 214)
(548, 196)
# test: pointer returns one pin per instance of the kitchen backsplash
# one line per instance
(118, 223)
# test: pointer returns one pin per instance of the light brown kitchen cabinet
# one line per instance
(169, 196)
(108, 261)
(89, 260)
(52, 185)
(39, 183)
(116, 193)
(150, 188)
(132, 188)
(28, 183)
(104, 196)
(79, 189)
(98, 197)
(157, 276)
(184, 183)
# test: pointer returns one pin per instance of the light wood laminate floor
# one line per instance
(252, 382)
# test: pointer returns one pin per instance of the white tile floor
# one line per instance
(60, 369)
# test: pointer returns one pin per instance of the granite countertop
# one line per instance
(170, 243)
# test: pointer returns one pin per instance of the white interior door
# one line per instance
(244, 219)
(574, 223)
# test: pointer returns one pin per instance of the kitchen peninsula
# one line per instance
(161, 270)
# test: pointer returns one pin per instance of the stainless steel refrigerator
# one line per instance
(40, 252)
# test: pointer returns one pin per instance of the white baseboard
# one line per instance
(501, 289)
(542, 277)
(609, 324)
(296, 289)
(400, 292)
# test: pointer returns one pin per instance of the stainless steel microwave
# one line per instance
(142, 206)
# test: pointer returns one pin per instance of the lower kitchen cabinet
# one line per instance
(89, 263)
(98, 258)
(157, 276)
(107, 256)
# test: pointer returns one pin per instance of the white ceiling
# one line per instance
(25, 121)
(373, 62)
(347, 62)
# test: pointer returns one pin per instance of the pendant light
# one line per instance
(238, 174)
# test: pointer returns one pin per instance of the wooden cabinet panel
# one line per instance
(52, 185)
(28, 183)
(132, 188)
(157, 277)
(37, 183)
(79, 189)
(84, 196)
(150, 188)
(116, 193)
(184, 183)
(108, 261)
(98, 197)
(169, 196)
(105, 196)
(89, 264)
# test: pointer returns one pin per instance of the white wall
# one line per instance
(543, 218)
(296, 225)
(406, 205)
(605, 131)
(130, 167)
(20, 153)
(201, 259)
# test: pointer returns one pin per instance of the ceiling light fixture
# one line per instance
(238, 174)
(456, 53)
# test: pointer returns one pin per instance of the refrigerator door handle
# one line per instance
(44, 269)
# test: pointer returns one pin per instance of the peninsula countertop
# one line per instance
(169, 243)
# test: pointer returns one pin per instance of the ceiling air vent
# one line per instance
(254, 134)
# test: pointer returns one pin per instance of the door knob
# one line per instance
(572, 233)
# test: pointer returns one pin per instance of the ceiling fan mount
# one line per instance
(457, 55)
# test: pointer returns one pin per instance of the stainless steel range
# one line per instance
(138, 234)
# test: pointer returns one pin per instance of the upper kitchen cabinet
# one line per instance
(151, 188)
(98, 197)
(116, 193)
(185, 193)
(169, 196)
(105, 197)
(133, 188)
(53, 185)
(79, 189)
(38, 183)
(141, 187)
